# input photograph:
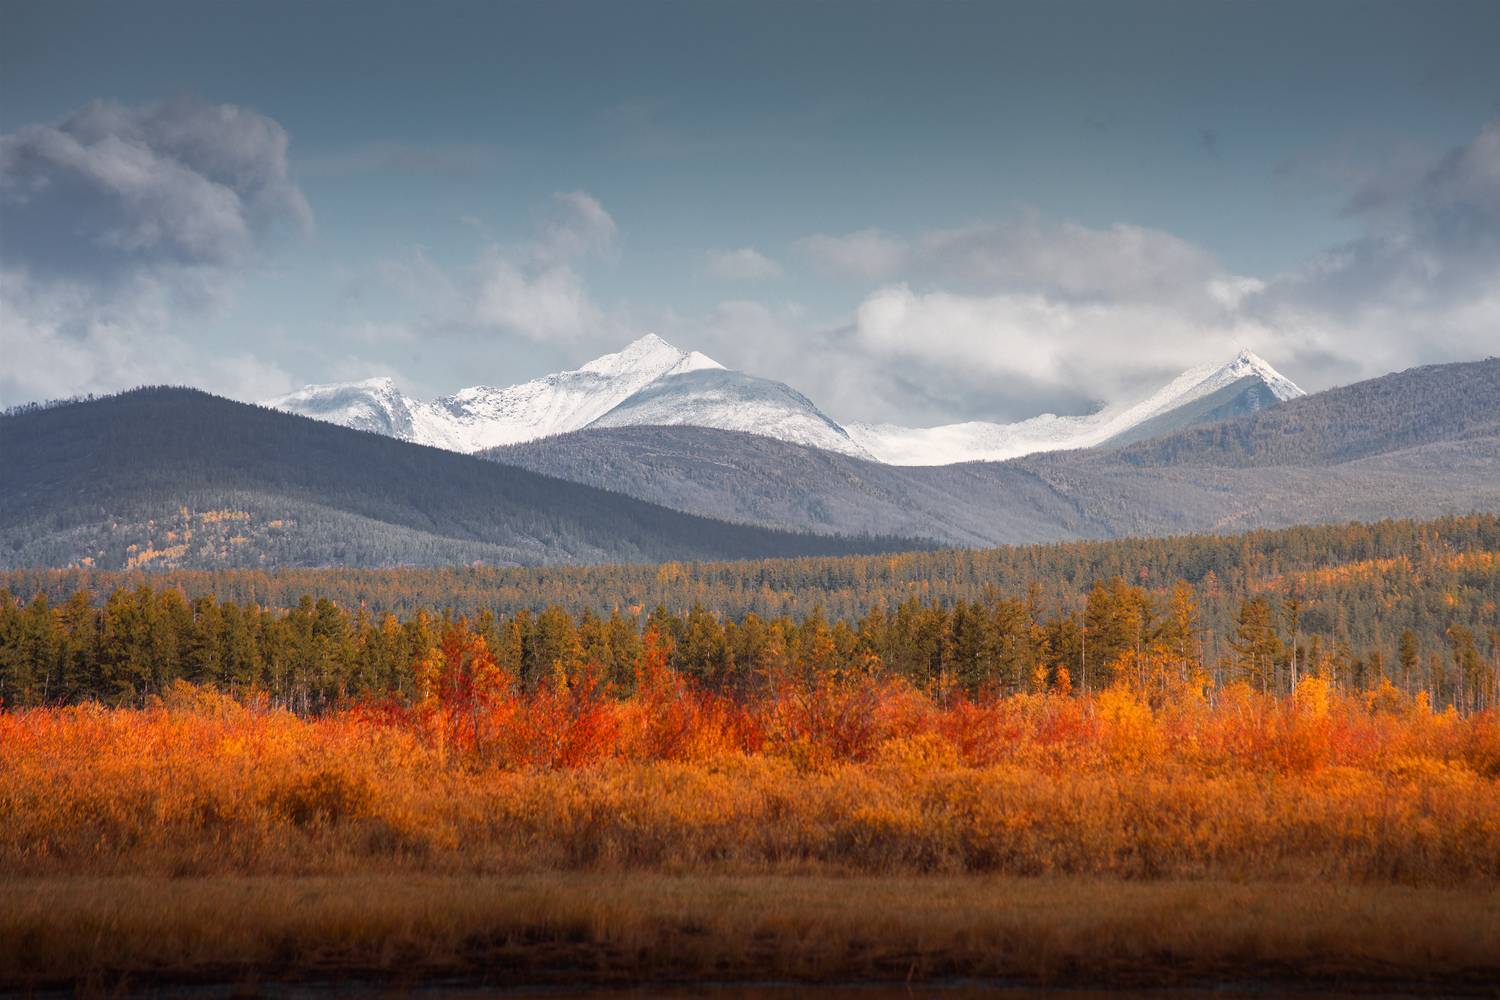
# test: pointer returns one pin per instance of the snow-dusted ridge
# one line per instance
(650, 382)
(977, 441)
(733, 401)
(484, 416)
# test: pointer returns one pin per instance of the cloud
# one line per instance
(1065, 258)
(532, 290)
(115, 187)
(578, 227)
(998, 319)
(544, 305)
(535, 291)
(1418, 287)
(744, 264)
(126, 227)
(991, 319)
(867, 253)
(1068, 350)
(65, 337)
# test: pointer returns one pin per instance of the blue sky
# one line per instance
(914, 212)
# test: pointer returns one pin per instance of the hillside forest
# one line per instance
(1408, 604)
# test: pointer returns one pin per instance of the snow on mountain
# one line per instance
(565, 401)
(375, 405)
(652, 382)
(732, 401)
(979, 441)
(482, 416)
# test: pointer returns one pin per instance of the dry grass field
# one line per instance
(856, 830)
(623, 927)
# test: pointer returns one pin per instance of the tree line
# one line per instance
(1352, 586)
(318, 654)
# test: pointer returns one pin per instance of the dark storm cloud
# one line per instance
(114, 188)
(1422, 285)
(124, 227)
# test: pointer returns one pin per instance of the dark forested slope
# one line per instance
(1420, 406)
(176, 477)
(1421, 443)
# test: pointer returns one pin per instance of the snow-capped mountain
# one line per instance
(483, 417)
(732, 401)
(650, 382)
(1204, 393)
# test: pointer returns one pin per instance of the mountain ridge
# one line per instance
(1420, 443)
(176, 477)
(484, 416)
(650, 382)
(984, 441)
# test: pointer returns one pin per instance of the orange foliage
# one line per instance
(849, 769)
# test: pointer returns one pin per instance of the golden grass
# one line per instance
(629, 927)
(855, 832)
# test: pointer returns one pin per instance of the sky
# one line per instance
(914, 213)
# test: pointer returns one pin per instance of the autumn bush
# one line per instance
(845, 772)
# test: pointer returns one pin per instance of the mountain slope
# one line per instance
(733, 401)
(1404, 410)
(1210, 392)
(761, 480)
(177, 477)
(650, 382)
(483, 416)
(1418, 443)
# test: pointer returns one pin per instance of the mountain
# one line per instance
(175, 477)
(652, 383)
(1207, 393)
(1420, 443)
(1422, 407)
(761, 480)
(482, 416)
(732, 401)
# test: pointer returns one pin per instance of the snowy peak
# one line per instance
(1247, 364)
(651, 356)
(1205, 393)
(649, 381)
(372, 404)
(484, 416)
(732, 401)
(1197, 383)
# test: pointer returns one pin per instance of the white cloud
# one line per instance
(578, 227)
(549, 304)
(1067, 258)
(1089, 349)
(533, 290)
(744, 264)
(868, 253)
(992, 316)
(997, 318)
(65, 337)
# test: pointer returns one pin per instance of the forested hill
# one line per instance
(1421, 406)
(1421, 443)
(171, 477)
